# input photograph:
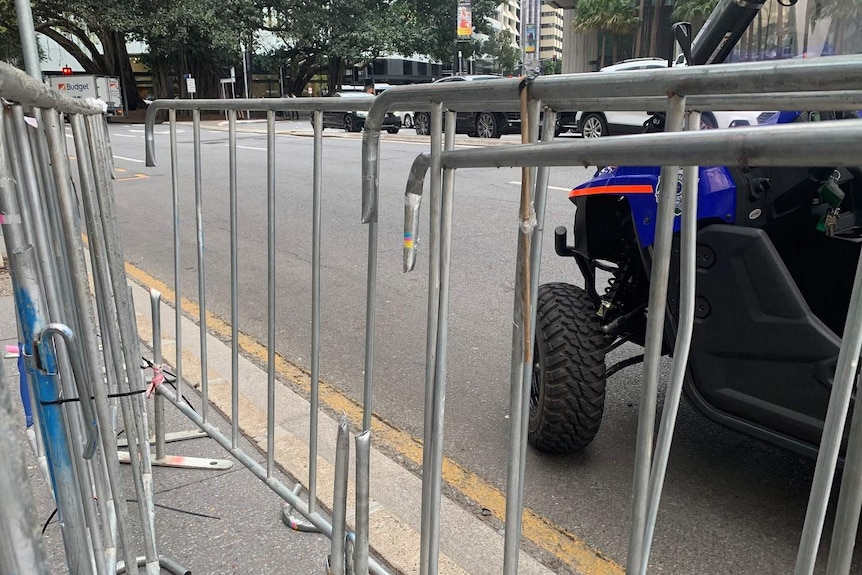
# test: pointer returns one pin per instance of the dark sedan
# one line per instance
(354, 121)
(476, 124)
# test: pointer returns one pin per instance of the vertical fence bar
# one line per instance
(158, 399)
(270, 297)
(363, 495)
(850, 498)
(521, 356)
(317, 198)
(202, 288)
(439, 407)
(654, 339)
(339, 500)
(29, 193)
(19, 543)
(178, 298)
(436, 193)
(29, 44)
(111, 355)
(688, 279)
(234, 283)
(122, 335)
(833, 428)
(81, 305)
(31, 313)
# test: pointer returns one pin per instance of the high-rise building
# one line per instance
(508, 16)
(551, 33)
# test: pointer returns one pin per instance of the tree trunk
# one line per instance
(124, 70)
(779, 33)
(602, 55)
(640, 29)
(656, 23)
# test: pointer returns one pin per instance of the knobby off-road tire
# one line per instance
(567, 396)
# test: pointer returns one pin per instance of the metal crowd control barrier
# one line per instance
(834, 83)
(76, 380)
(828, 84)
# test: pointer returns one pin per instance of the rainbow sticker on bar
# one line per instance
(408, 241)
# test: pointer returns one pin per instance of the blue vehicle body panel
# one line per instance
(716, 191)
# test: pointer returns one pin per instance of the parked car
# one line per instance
(596, 124)
(405, 117)
(475, 124)
(354, 121)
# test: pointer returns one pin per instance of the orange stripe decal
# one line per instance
(618, 189)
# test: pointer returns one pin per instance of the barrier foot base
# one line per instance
(170, 437)
(165, 563)
(184, 462)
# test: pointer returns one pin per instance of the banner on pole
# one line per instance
(465, 19)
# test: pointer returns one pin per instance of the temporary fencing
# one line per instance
(828, 84)
(80, 361)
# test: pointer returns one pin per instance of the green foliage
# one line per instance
(552, 66)
(503, 51)
(693, 10)
(610, 16)
(10, 42)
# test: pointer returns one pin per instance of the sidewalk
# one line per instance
(236, 527)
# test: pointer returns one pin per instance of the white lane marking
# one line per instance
(125, 135)
(160, 132)
(556, 188)
(251, 148)
(128, 159)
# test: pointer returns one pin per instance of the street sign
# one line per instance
(190, 85)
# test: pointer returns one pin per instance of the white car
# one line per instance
(596, 124)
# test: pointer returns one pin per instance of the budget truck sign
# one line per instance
(83, 86)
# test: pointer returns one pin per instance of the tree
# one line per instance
(552, 66)
(10, 40)
(611, 17)
(503, 51)
(694, 11)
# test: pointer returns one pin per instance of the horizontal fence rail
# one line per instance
(833, 83)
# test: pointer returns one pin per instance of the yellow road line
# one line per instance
(559, 542)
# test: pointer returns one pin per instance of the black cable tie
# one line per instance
(74, 399)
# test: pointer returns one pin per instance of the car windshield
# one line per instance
(809, 29)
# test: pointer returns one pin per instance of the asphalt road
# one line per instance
(731, 504)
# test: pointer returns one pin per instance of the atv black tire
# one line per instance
(567, 396)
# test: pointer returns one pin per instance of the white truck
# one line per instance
(106, 88)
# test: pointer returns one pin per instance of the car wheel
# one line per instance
(593, 126)
(487, 126)
(350, 124)
(567, 394)
(392, 130)
(422, 124)
(408, 121)
(708, 122)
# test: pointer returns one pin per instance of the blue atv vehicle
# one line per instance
(777, 250)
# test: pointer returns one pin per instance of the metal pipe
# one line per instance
(447, 207)
(234, 283)
(849, 499)
(19, 541)
(16, 86)
(109, 439)
(202, 287)
(48, 276)
(820, 143)
(314, 414)
(654, 339)
(521, 355)
(363, 495)
(31, 310)
(270, 291)
(339, 500)
(259, 471)
(688, 278)
(833, 428)
(112, 293)
(29, 44)
(158, 400)
(175, 197)
(431, 335)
